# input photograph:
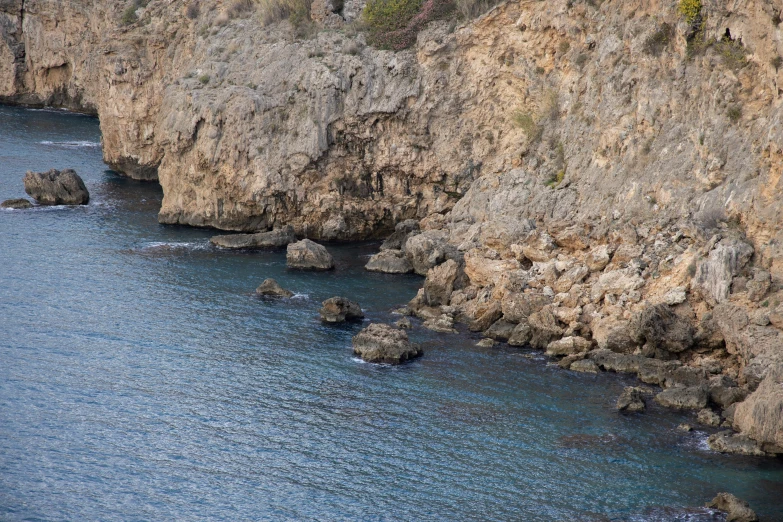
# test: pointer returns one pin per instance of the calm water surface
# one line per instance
(141, 380)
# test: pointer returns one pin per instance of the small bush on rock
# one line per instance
(394, 24)
(295, 11)
(690, 9)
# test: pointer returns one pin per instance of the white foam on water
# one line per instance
(300, 296)
(174, 245)
(71, 144)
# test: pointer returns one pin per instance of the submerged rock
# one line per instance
(308, 255)
(631, 400)
(738, 510)
(380, 343)
(277, 238)
(486, 343)
(340, 309)
(56, 187)
(18, 203)
(270, 288)
(389, 262)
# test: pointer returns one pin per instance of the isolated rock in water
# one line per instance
(19, 203)
(737, 509)
(270, 288)
(389, 262)
(340, 309)
(56, 187)
(730, 442)
(277, 238)
(691, 398)
(380, 343)
(631, 400)
(308, 255)
(443, 324)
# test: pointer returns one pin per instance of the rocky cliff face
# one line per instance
(577, 162)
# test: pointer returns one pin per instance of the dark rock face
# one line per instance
(19, 204)
(737, 509)
(401, 233)
(56, 187)
(380, 343)
(270, 288)
(664, 329)
(277, 238)
(308, 255)
(389, 262)
(340, 309)
(501, 330)
(631, 400)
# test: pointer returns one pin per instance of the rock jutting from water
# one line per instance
(56, 187)
(339, 310)
(380, 343)
(17, 204)
(270, 288)
(276, 238)
(737, 509)
(308, 255)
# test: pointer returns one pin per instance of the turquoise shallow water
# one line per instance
(141, 380)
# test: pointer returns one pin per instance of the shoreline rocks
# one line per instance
(380, 343)
(308, 255)
(56, 187)
(16, 204)
(631, 400)
(276, 238)
(339, 310)
(389, 262)
(270, 288)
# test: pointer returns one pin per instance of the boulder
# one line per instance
(486, 343)
(402, 231)
(631, 400)
(428, 249)
(690, 398)
(308, 255)
(614, 334)
(543, 328)
(340, 309)
(760, 416)
(485, 315)
(729, 442)
(389, 262)
(684, 376)
(500, 330)
(664, 329)
(520, 335)
(584, 366)
(708, 417)
(270, 288)
(617, 362)
(574, 275)
(537, 247)
(518, 306)
(404, 323)
(441, 281)
(56, 187)
(277, 238)
(714, 275)
(598, 258)
(616, 282)
(380, 343)
(655, 371)
(568, 346)
(738, 510)
(18, 204)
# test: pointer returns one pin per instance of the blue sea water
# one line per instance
(140, 379)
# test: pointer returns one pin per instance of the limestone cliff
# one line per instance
(579, 162)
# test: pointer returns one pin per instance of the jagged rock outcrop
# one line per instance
(18, 204)
(737, 509)
(56, 187)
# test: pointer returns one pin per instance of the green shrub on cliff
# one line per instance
(690, 9)
(394, 24)
(296, 11)
(129, 15)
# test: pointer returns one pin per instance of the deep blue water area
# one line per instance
(140, 379)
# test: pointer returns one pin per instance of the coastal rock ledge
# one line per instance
(380, 343)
